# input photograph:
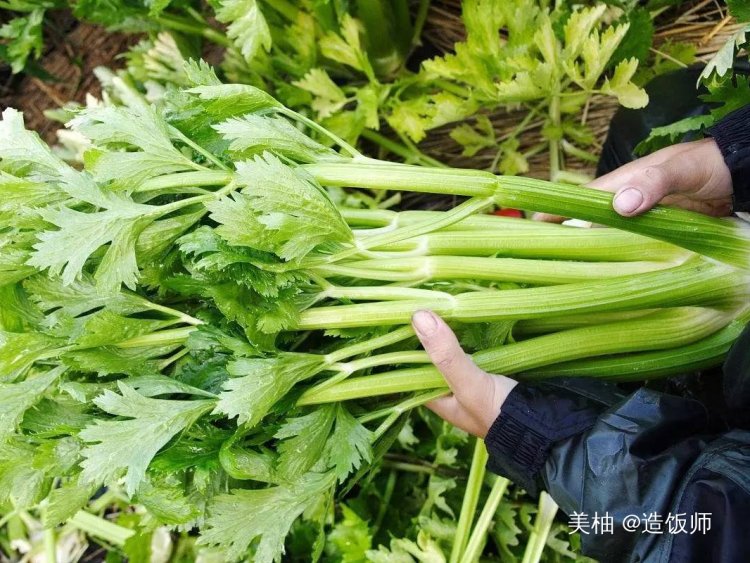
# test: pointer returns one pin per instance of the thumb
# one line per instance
(642, 190)
(463, 376)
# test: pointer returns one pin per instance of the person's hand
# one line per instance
(477, 396)
(691, 175)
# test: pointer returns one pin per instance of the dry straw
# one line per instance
(704, 24)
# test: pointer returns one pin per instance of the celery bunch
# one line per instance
(185, 317)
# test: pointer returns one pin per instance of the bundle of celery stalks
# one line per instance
(210, 317)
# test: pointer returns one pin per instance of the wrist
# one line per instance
(502, 387)
(731, 136)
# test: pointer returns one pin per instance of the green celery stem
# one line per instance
(660, 330)
(545, 516)
(694, 283)
(478, 535)
(546, 325)
(483, 268)
(588, 245)
(470, 500)
(380, 175)
(100, 528)
(706, 353)
(722, 239)
(187, 179)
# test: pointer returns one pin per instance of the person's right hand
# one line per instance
(688, 175)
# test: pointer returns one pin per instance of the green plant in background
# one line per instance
(269, 42)
(517, 54)
(727, 86)
(21, 37)
(548, 61)
(518, 57)
(345, 64)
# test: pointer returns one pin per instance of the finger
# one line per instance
(547, 218)
(621, 177)
(450, 410)
(640, 190)
(465, 379)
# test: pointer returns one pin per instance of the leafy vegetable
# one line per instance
(188, 313)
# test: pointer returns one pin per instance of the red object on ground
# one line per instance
(508, 212)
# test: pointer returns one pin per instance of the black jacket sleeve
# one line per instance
(732, 134)
(648, 455)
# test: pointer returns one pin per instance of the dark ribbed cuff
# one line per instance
(531, 421)
(732, 135)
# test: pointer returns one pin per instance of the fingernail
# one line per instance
(424, 323)
(627, 201)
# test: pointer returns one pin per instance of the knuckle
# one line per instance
(655, 176)
(445, 360)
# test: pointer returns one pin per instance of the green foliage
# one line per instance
(128, 446)
(727, 91)
(151, 295)
(23, 35)
(246, 26)
(350, 539)
(268, 515)
(739, 9)
(65, 251)
(638, 39)
(550, 63)
(258, 383)
(17, 398)
(279, 211)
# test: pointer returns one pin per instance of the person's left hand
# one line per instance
(477, 396)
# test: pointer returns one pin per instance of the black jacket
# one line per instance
(609, 459)
(732, 134)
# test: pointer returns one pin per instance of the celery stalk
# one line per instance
(101, 528)
(660, 330)
(694, 283)
(481, 268)
(378, 218)
(726, 240)
(470, 500)
(590, 245)
(542, 526)
(545, 325)
(479, 533)
(722, 239)
(703, 354)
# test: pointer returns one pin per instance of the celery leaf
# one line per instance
(253, 134)
(279, 211)
(329, 98)
(246, 26)
(19, 350)
(258, 383)
(347, 48)
(349, 445)
(621, 85)
(267, 516)
(740, 9)
(21, 149)
(16, 398)
(127, 445)
(139, 129)
(25, 39)
(65, 251)
(303, 441)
